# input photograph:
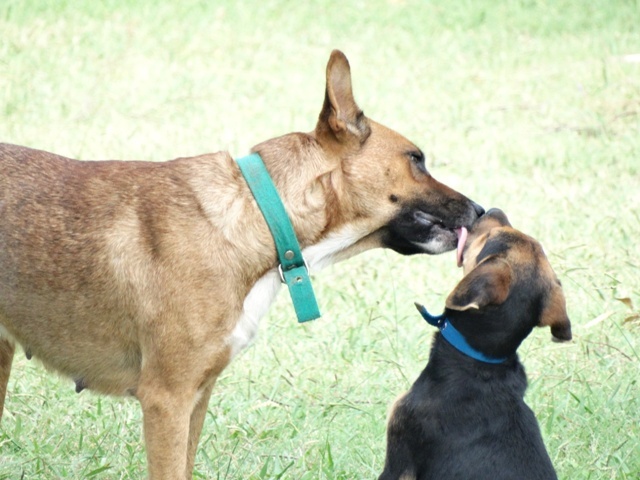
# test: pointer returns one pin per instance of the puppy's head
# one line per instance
(508, 288)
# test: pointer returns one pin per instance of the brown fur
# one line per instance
(146, 278)
(489, 281)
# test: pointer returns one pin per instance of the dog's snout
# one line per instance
(498, 215)
(478, 209)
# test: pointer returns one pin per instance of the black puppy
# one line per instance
(465, 417)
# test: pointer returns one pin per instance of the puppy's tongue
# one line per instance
(462, 239)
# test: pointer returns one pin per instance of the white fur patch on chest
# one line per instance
(261, 296)
(323, 253)
(255, 306)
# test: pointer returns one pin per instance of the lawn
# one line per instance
(529, 105)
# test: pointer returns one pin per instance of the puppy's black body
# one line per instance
(466, 419)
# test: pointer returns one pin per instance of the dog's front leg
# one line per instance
(399, 466)
(166, 414)
(399, 462)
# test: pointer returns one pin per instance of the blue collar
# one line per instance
(454, 337)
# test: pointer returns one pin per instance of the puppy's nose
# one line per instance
(499, 215)
(479, 210)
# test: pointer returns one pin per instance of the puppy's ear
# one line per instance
(340, 113)
(554, 315)
(487, 284)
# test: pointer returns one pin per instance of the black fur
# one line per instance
(467, 420)
(463, 419)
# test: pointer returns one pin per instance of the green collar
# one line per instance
(293, 268)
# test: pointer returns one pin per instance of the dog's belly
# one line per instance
(97, 352)
(108, 369)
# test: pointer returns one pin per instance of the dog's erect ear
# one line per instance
(554, 315)
(487, 284)
(340, 113)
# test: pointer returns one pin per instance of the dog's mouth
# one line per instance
(437, 236)
(426, 219)
(494, 218)
(416, 231)
(462, 234)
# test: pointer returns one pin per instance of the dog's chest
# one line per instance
(261, 296)
(255, 306)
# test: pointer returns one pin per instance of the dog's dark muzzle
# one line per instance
(422, 228)
(478, 209)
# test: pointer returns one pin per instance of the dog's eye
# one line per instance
(418, 159)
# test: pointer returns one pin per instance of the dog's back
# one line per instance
(465, 416)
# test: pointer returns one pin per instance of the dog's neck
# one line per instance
(457, 340)
(493, 333)
(448, 368)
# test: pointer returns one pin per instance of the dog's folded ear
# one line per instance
(554, 315)
(340, 113)
(487, 284)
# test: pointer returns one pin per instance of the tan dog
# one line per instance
(146, 279)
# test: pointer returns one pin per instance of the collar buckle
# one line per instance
(293, 267)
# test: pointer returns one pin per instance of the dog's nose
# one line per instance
(479, 210)
(499, 215)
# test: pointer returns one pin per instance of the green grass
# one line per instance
(528, 105)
